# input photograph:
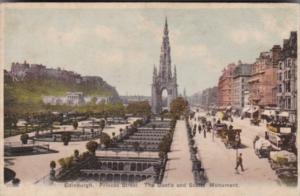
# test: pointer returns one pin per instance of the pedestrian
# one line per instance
(266, 136)
(239, 162)
(199, 128)
(255, 140)
(204, 132)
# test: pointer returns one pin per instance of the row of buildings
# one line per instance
(267, 86)
(75, 98)
(21, 71)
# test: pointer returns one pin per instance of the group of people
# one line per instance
(202, 125)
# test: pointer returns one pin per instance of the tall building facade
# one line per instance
(163, 79)
(241, 75)
(209, 97)
(225, 86)
(287, 77)
(263, 81)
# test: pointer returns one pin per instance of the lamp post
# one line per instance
(237, 139)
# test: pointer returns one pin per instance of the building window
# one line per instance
(280, 65)
(279, 88)
(288, 103)
(288, 86)
(280, 76)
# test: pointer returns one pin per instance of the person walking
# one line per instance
(204, 132)
(239, 162)
(255, 140)
(199, 128)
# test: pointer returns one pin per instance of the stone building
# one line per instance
(263, 80)
(287, 77)
(75, 98)
(209, 97)
(241, 75)
(225, 87)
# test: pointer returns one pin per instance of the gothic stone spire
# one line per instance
(165, 56)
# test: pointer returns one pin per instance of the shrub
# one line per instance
(84, 155)
(75, 124)
(66, 137)
(68, 161)
(105, 139)
(91, 146)
(24, 138)
(76, 153)
(52, 164)
(62, 162)
(161, 154)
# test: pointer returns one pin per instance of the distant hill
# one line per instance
(24, 94)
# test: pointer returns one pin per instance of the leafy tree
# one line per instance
(179, 106)
(66, 137)
(76, 155)
(105, 139)
(141, 108)
(102, 124)
(52, 164)
(62, 163)
(24, 138)
(91, 146)
(75, 124)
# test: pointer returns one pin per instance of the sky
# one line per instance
(122, 45)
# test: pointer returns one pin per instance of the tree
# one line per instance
(141, 108)
(52, 171)
(52, 164)
(91, 146)
(179, 106)
(24, 138)
(66, 137)
(76, 155)
(75, 124)
(121, 131)
(102, 124)
(105, 139)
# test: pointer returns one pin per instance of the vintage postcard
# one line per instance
(149, 98)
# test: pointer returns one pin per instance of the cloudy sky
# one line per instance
(122, 45)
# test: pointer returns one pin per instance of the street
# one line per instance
(219, 162)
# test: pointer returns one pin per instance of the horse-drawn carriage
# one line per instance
(262, 147)
(220, 128)
(255, 121)
(232, 138)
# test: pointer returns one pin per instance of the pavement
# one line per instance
(219, 162)
(179, 166)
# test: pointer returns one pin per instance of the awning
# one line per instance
(269, 113)
(221, 107)
(284, 114)
(252, 110)
(245, 109)
(286, 130)
(228, 107)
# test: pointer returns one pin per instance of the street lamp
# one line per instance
(237, 139)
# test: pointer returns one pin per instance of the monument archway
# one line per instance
(164, 79)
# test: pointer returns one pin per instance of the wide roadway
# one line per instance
(219, 162)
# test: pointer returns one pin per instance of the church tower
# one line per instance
(164, 79)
